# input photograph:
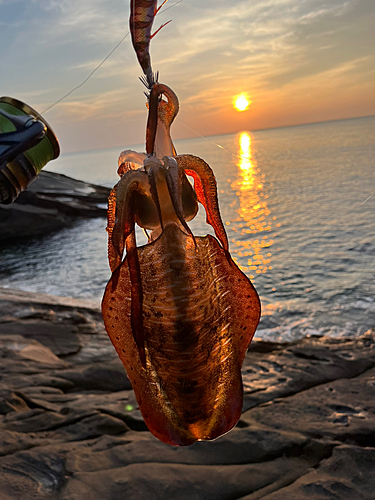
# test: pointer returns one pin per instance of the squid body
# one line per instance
(178, 310)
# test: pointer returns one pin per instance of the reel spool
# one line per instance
(27, 144)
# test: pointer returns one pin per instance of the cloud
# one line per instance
(211, 51)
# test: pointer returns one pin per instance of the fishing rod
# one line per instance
(27, 144)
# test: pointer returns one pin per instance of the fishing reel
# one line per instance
(27, 144)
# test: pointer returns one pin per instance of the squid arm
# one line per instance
(136, 316)
(154, 194)
(206, 190)
(130, 160)
(113, 256)
(173, 176)
(121, 213)
(121, 230)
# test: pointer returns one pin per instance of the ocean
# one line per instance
(298, 204)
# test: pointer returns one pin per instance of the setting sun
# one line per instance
(241, 102)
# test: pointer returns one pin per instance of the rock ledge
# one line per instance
(70, 427)
(52, 202)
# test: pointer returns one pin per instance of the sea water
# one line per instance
(298, 204)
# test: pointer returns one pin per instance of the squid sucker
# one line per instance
(178, 310)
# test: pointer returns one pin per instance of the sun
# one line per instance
(241, 102)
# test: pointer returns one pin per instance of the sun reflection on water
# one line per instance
(254, 223)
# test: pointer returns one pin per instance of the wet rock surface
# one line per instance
(52, 202)
(70, 428)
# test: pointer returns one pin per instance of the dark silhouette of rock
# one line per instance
(52, 202)
(70, 427)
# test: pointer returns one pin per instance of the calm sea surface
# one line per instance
(299, 207)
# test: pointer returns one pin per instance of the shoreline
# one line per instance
(16, 295)
(51, 203)
(70, 427)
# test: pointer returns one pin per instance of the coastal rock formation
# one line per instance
(52, 202)
(70, 427)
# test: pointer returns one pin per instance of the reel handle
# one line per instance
(29, 132)
(27, 144)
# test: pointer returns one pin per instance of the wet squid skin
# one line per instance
(179, 312)
(199, 312)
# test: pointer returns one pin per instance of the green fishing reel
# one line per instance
(27, 144)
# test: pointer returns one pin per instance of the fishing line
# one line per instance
(100, 64)
(349, 210)
(208, 140)
(363, 202)
(246, 158)
(187, 126)
(173, 5)
(222, 147)
(212, 142)
(90, 75)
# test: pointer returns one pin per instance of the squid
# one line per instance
(178, 310)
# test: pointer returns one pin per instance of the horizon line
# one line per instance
(236, 132)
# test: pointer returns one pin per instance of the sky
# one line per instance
(298, 61)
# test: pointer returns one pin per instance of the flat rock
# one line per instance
(59, 323)
(347, 474)
(185, 482)
(311, 361)
(346, 406)
(107, 377)
(60, 339)
(14, 300)
(52, 202)
(70, 427)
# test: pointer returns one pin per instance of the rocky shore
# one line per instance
(70, 428)
(52, 202)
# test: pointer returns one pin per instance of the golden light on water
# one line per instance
(241, 102)
(254, 223)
